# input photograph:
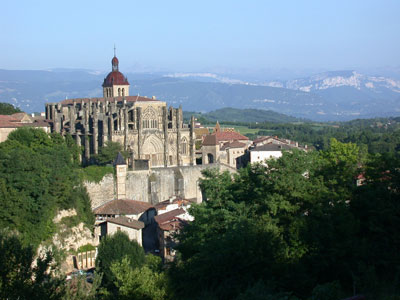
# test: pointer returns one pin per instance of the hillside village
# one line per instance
(155, 184)
(121, 195)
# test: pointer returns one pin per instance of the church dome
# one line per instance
(115, 77)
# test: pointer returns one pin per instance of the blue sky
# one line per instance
(200, 35)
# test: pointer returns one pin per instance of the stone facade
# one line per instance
(225, 147)
(145, 127)
(153, 186)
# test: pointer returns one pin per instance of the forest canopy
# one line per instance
(299, 228)
(39, 175)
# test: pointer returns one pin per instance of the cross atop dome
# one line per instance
(114, 61)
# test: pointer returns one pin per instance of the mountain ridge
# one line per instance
(329, 96)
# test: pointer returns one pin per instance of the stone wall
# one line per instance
(155, 185)
(101, 192)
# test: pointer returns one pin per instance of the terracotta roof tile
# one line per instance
(234, 144)
(272, 147)
(261, 139)
(210, 140)
(122, 207)
(230, 136)
(115, 78)
(111, 99)
(160, 219)
(125, 221)
(174, 224)
(7, 121)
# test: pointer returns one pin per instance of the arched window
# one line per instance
(184, 147)
(150, 118)
(119, 92)
(210, 158)
(123, 92)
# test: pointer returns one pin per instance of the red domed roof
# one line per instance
(115, 78)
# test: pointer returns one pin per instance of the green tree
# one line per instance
(38, 177)
(108, 153)
(113, 249)
(19, 279)
(299, 227)
(8, 109)
(141, 283)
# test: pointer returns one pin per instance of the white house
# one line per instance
(263, 153)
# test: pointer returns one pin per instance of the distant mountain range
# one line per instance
(329, 96)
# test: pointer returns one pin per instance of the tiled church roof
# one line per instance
(111, 100)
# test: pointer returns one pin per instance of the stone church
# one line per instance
(146, 127)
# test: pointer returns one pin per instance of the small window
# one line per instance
(118, 228)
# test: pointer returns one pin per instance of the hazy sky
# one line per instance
(199, 35)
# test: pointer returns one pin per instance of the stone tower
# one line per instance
(121, 170)
(115, 84)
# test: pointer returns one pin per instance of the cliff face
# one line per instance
(70, 235)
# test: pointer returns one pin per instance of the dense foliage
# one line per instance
(8, 109)
(108, 153)
(127, 272)
(96, 173)
(115, 248)
(38, 177)
(19, 278)
(297, 229)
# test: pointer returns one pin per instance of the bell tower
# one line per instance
(115, 84)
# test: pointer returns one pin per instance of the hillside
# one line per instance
(331, 96)
(230, 114)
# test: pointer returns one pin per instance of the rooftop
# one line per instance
(234, 144)
(122, 207)
(119, 160)
(160, 219)
(273, 147)
(14, 121)
(129, 99)
(173, 224)
(225, 136)
(125, 221)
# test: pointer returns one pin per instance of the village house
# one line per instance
(168, 224)
(125, 215)
(224, 146)
(268, 147)
(172, 215)
(8, 123)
